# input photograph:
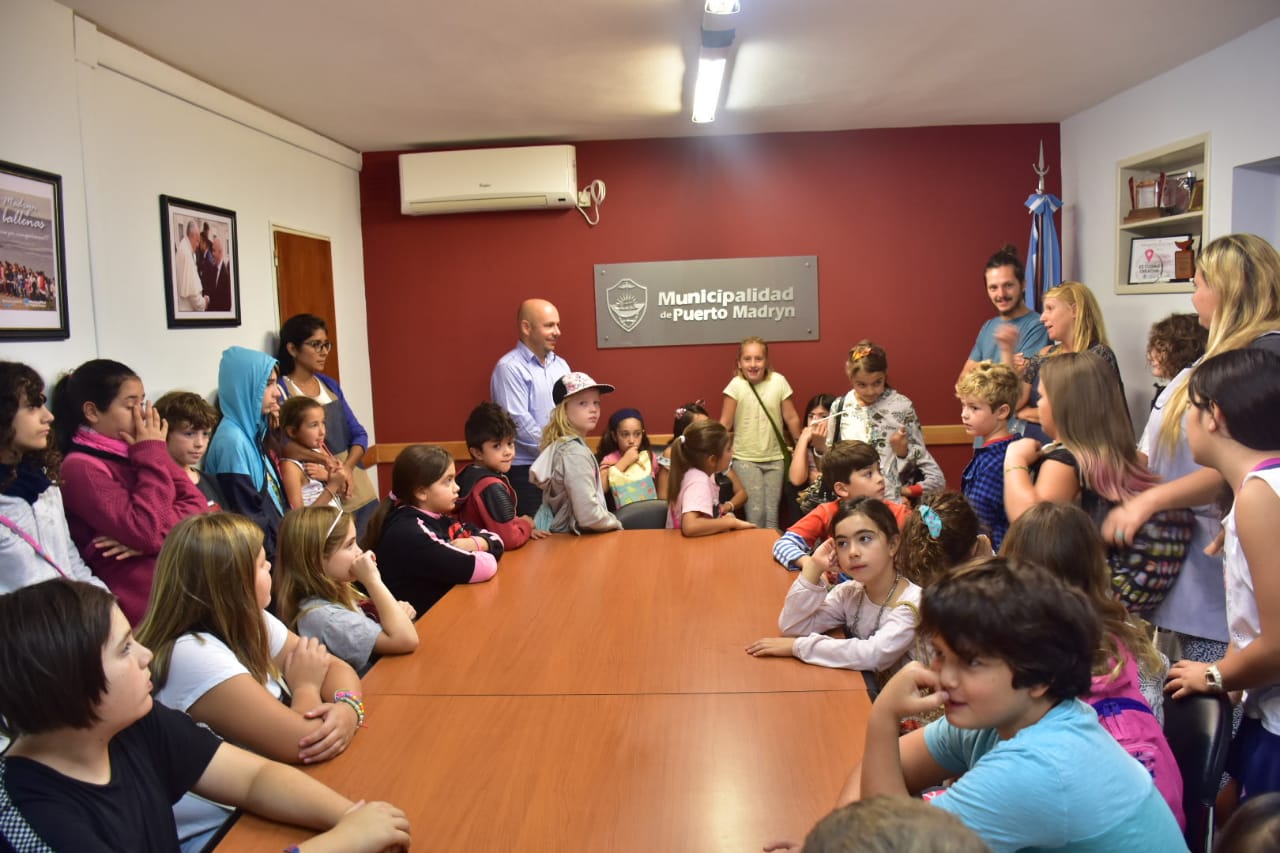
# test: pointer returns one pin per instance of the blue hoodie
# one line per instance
(245, 473)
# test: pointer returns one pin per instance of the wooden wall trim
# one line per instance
(386, 453)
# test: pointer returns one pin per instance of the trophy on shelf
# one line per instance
(1144, 198)
(1175, 194)
(1184, 259)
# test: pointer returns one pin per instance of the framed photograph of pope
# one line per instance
(201, 264)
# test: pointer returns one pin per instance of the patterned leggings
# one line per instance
(763, 482)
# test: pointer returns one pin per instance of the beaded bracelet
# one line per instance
(351, 698)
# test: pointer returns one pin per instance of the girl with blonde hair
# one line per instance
(1237, 297)
(226, 662)
(759, 410)
(566, 470)
(319, 560)
(1073, 319)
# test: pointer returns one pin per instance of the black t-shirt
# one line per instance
(153, 763)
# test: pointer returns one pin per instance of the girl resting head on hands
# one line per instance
(319, 562)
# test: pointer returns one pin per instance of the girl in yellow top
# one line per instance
(758, 408)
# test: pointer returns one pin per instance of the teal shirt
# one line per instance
(1060, 784)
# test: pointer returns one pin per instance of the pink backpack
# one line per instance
(1126, 715)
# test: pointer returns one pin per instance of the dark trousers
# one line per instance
(528, 496)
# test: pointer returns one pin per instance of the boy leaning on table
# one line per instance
(1012, 652)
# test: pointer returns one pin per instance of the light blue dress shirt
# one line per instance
(521, 384)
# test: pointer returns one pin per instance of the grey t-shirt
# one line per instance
(348, 634)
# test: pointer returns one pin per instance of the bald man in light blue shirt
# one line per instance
(521, 384)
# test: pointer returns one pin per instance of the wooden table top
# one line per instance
(684, 772)
(596, 695)
(638, 611)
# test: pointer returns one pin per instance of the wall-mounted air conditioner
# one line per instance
(542, 176)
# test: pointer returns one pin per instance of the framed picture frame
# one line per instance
(33, 261)
(201, 264)
(1151, 258)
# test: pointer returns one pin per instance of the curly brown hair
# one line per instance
(923, 557)
(1175, 342)
(21, 386)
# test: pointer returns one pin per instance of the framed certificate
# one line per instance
(1151, 258)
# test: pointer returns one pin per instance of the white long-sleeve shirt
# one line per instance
(810, 610)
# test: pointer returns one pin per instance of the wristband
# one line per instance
(1009, 468)
(292, 848)
(352, 699)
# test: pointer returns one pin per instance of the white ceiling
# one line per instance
(388, 74)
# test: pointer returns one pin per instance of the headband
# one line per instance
(622, 414)
(332, 525)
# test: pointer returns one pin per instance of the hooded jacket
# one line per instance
(569, 477)
(236, 458)
(133, 493)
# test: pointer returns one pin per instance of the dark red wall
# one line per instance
(902, 222)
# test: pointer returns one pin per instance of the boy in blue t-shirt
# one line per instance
(988, 394)
(1012, 649)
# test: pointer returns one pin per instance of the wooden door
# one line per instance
(304, 283)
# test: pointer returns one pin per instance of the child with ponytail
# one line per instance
(938, 535)
(422, 550)
(703, 450)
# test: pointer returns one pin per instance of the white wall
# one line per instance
(1230, 93)
(1255, 199)
(123, 129)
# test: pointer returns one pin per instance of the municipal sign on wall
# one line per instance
(666, 303)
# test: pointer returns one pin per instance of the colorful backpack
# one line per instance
(1143, 572)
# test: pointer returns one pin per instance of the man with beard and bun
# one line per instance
(1006, 289)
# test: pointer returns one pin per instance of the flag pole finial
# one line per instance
(1041, 170)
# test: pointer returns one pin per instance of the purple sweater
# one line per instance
(134, 494)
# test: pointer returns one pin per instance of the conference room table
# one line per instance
(596, 695)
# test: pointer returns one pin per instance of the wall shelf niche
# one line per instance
(1174, 160)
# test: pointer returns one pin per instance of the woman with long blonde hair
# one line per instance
(1237, 297)
(1073, 319)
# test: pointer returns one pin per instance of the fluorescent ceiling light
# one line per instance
(723, 7)
(706, 89)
